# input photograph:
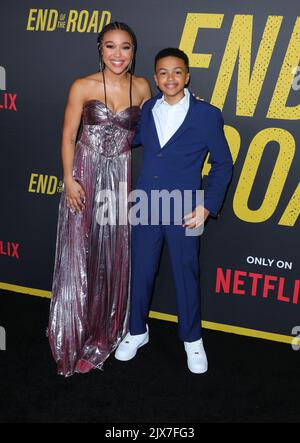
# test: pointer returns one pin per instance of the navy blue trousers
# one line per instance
(147, 243)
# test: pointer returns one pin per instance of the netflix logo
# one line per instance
(254, 284)
(7, 99)
(10, 249)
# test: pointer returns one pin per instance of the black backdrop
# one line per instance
(252, 75)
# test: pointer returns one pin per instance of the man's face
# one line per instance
(171, 76)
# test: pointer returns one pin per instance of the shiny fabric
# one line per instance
(89, 306)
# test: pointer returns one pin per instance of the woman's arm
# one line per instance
(144, 91)
(73, 111)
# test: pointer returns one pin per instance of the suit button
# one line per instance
(159, 155)
(155, 176)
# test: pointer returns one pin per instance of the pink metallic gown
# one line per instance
(90, 292)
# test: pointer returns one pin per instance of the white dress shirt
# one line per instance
(168, 118)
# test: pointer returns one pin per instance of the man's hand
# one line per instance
(196, 218)
(197, 96)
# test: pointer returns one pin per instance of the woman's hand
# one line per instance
(75, 195)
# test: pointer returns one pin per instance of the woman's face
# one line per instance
(117, 50)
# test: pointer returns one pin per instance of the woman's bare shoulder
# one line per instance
(84, 86)
(95, 77)
(142, 86)
(141, 82)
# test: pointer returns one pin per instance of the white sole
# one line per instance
(198, 371)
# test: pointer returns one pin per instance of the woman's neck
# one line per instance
(117, 79)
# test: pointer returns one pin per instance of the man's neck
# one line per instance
(174, 99)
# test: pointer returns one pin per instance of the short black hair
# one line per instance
(172, 52)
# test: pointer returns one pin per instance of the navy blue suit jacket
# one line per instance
(179, 163)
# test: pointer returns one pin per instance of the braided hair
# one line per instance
(120, 27)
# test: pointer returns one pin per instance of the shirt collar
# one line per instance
(184, 102)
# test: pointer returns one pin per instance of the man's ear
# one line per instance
(155, 79)
(187, 79)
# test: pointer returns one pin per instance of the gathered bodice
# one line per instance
(106, 132)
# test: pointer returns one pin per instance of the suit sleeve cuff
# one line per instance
(212, 211)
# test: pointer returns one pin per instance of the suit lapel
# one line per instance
(153, 135)
(153, 129)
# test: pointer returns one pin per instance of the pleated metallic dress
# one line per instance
(90, 292)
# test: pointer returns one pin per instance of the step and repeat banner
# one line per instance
(245, 59)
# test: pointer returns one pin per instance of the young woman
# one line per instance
(89, 307)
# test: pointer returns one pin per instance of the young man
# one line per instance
(176, 132)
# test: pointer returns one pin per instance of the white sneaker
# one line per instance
(196, 356)
(128, 347)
